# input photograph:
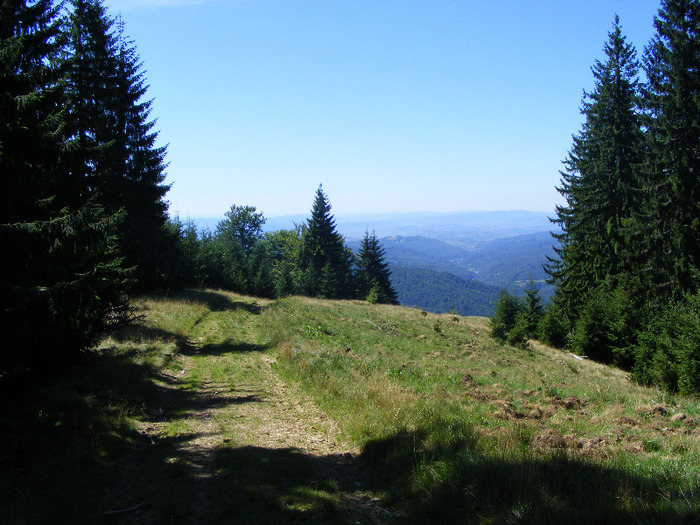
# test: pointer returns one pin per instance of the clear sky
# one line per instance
(394, 105)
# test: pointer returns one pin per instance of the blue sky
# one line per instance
(394, 105)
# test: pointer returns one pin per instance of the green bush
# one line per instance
(515, 319)
(606, 329)
(505, 315)
(553, 329)
(519, 333)
(668, 354)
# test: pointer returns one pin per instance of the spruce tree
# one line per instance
(114, 142)
(61, 278)
(373, 274)
(533, 309)
(325, 260)
(600, 181)
(672, 174)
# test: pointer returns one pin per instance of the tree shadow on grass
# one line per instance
(217, 301)
(69, 454)
(149, 334)
(229, 346)
(70, 451)
(268, 485)
(464, 483)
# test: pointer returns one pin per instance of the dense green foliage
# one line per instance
(671, 104)
(442, 292)
(83, 218)
(374, 276)
(629, 249)
(310, 260)
(517, 319)
(669, 349)
(61, 272)
(599, 181)
(113, 143)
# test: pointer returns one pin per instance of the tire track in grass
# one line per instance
(257, 449)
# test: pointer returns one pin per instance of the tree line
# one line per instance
(627, 265)
(83, 216)
(310, 259)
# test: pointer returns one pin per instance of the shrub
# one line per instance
(605, 330)
(668, 354)
(553, 329)
(510, 321)
(518, 334)
(505, 315)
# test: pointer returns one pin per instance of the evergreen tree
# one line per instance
(191, 272)
(261, 282)
(114, 143)
(504, 320)
(600, 182)
(216, 263)
(533, 310)
(326, 261)
(61, 278)
(373, 274)
(672, 103)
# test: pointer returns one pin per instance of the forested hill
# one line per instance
(442, 292)
(438, 276)
(503, 262)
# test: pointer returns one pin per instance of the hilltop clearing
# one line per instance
(219, 408)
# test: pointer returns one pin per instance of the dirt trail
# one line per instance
(237, 403)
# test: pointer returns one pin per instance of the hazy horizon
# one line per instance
(392, 106)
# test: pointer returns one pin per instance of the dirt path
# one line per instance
(257, 450)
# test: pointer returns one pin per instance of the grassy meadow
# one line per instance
(463, 429)
(218, 408)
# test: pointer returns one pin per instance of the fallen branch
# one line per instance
(124, 511)
(579, 357)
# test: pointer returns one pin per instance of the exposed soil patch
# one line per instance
(569, 403)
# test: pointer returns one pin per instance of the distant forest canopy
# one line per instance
(442, 292)
(626, 270)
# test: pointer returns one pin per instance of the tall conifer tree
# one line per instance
(672, 103)
(325, 259)
(114, 142)
(60, 275)
(600, 182)
(373, 274)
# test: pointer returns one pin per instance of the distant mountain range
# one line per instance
(458, 227)
(450, 261)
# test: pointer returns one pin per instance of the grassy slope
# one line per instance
(452, 426)
(467, 430)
